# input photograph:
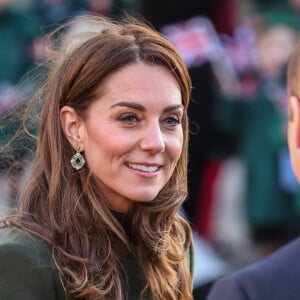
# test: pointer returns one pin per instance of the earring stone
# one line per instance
(77, 161)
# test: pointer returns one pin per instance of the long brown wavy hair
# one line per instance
(62, 205)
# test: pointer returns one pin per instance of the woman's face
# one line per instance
(133, 135)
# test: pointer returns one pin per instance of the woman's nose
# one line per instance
(153, 140)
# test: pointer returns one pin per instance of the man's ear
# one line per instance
(294, 117)
(73, 126)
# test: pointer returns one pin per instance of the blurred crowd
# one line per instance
(243, 201)
(23, 25)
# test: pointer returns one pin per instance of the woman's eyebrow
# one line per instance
(173, 107)
(143, 108)
(130, 105)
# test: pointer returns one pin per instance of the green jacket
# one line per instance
(27, 271)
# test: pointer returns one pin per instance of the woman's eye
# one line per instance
(128, 118)
(172, 121)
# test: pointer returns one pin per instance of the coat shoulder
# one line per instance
(27, 270)
(274, 277)
(25, 243)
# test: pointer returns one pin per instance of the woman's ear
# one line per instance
(72, 125)
(294, 118)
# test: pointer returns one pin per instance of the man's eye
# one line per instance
(128, 118)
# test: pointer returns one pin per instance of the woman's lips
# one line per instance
(148, 168)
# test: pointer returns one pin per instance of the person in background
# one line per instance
(276, 276)
(98, 214)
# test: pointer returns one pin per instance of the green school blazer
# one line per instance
(27, 271)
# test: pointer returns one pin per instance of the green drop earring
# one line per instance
(77, 160)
